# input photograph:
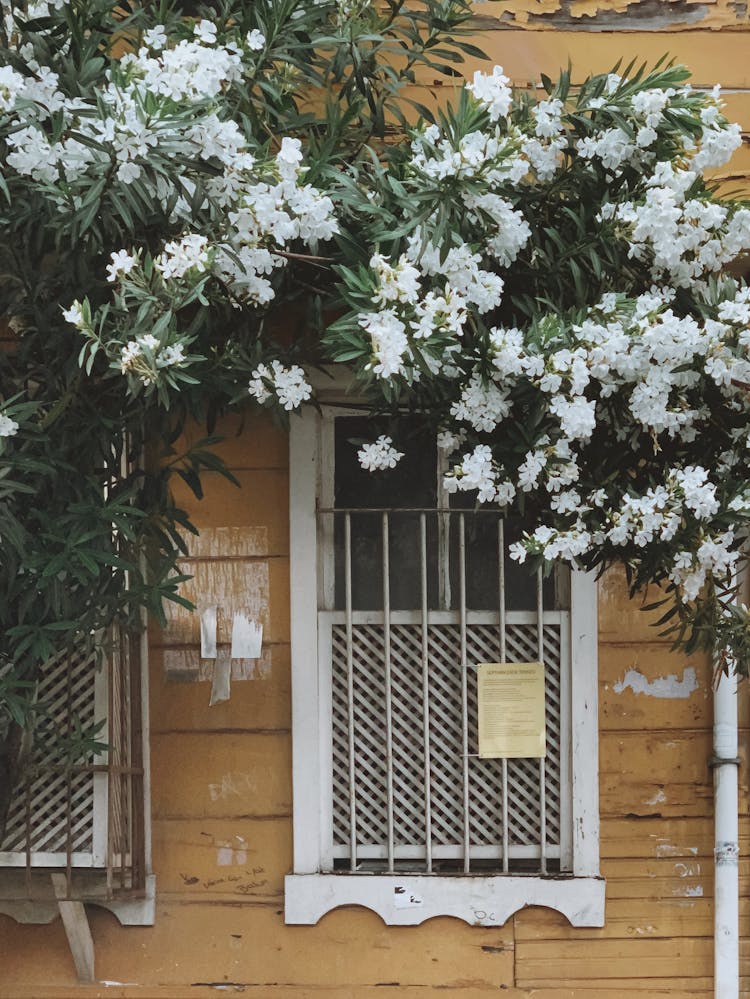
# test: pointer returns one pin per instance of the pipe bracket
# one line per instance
(718, 761)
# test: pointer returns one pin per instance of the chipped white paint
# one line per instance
(228, 542)
(405, 898)
(688, 891)
(687, 870)
(642, 931)
(247, 636)
(239, 784)
(671, 850)
(227, 854)
(186, 664)
(662, 686)
(230, 585)
(658, 798)
(208, 631)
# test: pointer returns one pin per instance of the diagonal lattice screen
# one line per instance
(409, 738)
(55, 808)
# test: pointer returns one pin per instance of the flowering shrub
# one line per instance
(549, 288)
(543, 279)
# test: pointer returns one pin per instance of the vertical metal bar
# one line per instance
(110, 764)
(69, 781)
(503, 654)
(425, 695)
(542, 769)
(27, 835)
(387, 678)
(464, 686)
(350, 691)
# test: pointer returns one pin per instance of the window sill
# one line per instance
(88, 886)
(407, 900)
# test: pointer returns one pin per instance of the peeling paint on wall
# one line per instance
(663, 686)
(186, 665)
(229, 853)
(235, 783)
(619, 15)
(228, 542)
(671, 850)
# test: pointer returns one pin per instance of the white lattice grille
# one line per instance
(525, 828)
(53, 812)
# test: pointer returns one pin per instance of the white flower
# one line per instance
(388, 339)
(122, 263)
(128, 172)
(205, 31)
(182, 255)
(74, 315)
(255, 40)
(8, 427)
(289, 385)
(380, 455)
(156, 37)
(493, 92)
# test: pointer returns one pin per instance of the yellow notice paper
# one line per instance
(511, 710)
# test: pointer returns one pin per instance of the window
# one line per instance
(398, 592)
(89, 821)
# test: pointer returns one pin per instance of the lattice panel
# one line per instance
(60, 806)
(446, 742)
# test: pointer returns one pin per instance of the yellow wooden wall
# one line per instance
(222, 775)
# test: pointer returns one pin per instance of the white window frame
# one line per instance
(88, 870)
(310, 892)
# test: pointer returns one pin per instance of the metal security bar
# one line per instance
(409, 791)
(85, 817)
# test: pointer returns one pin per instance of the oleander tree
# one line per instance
(200, 203)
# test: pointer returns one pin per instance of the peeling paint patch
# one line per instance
(232, 542)
(687, 870)
(247, 636)
(689, 891)
(228, 854)
(186, 665)
(662, 687)
(232, 783)
(658, 798)
(671, 850)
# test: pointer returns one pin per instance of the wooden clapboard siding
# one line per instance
(222, 834)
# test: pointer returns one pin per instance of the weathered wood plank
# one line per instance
(348, 947)
(222, 858)
(614, 961)
(218, 775)
(711, 56)
(645, 685)
(262, 701)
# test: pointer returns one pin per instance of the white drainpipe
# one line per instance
(726, 846)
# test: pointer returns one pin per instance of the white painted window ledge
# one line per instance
(411, 899)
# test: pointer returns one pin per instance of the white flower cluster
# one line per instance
(379, 455)
(686, 238)
(8, 427)
(288, 385)
(159, 103)
(146, 355)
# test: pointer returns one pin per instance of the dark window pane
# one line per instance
(412, 483)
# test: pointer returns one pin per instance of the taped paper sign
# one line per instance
(511, 710)
(404, 897)
(247, 637)
(221, 683)
(208, 632)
